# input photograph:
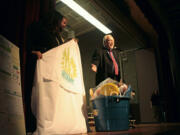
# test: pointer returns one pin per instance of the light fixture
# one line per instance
(82, 12)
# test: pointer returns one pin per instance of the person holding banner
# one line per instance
(105, 61)
(41, 37)
(56, 92)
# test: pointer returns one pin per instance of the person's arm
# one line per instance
(32, 34)
(95, 60)
(38, 54)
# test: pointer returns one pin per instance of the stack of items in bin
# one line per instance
(110, 87)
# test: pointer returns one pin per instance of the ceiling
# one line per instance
(79, 24)
(124, 17)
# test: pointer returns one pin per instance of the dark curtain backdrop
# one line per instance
(16, 16)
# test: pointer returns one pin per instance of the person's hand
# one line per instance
(120, 83)
(94, 67)
(38, 54)
(76, 40)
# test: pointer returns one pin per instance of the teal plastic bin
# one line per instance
(111, 113)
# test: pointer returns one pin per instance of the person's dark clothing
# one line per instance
(104, 63)
(41, 39)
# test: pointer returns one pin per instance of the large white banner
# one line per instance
(58, 95)
(11, 108)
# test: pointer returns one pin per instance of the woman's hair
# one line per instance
(51, 20)
(105, 38)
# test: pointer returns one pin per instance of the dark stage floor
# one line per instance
(146, 129)
(143, 129)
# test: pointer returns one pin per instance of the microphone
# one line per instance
(117, 48)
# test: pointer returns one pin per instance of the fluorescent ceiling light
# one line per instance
(74, 6)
